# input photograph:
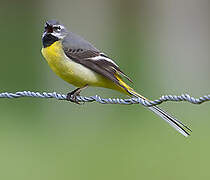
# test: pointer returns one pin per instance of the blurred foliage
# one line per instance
(48, 139)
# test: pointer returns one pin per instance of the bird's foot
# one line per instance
(72, 96)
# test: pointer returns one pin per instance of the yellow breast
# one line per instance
(72, 72)
(62, 65)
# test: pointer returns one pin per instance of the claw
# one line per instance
(72, 96)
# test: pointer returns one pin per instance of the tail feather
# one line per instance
(179, 126)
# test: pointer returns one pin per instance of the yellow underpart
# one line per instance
(75, 73)
(129, 90)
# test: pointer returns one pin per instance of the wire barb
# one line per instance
(183, 97)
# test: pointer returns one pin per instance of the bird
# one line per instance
(79, 63)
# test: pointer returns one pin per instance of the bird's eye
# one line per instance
(57, 28)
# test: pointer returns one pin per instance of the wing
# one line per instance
(96, 61)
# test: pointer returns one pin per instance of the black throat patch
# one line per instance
(48, 40)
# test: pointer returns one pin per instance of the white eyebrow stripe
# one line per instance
(57, 34)
(98, 58)
(62, 27)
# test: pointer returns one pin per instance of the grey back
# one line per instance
(74, 41)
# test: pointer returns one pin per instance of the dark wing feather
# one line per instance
(101, 65)
(119, 71)
(80, 54)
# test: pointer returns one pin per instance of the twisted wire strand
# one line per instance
(183, 97)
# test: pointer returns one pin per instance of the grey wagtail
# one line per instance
(78, 62)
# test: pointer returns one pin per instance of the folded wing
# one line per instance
(96, 61)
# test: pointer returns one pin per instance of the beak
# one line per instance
(49, 28)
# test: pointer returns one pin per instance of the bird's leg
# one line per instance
(72, 96)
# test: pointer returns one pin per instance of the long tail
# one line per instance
(179, 126)
(176, 124)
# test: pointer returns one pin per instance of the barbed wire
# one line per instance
(58, 96)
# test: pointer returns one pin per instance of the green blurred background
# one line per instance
(162, 45)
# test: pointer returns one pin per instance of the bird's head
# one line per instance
(53, 31)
